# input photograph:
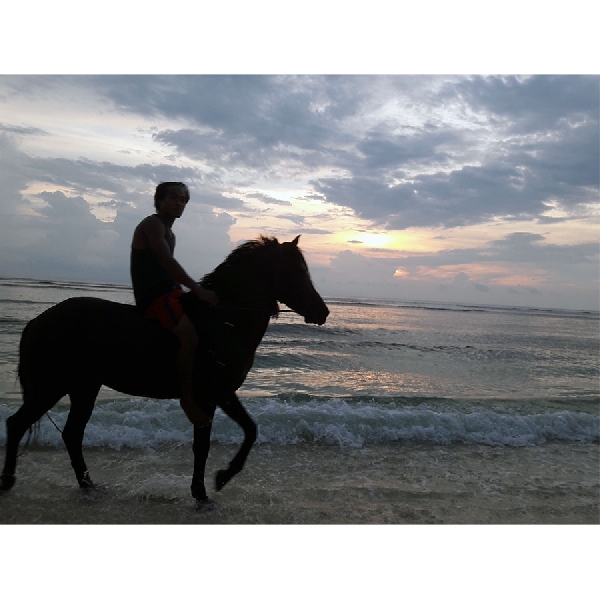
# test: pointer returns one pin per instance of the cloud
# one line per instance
(530, 104)
(520, 267)
(383, 149)
(527, 247)
(55, 234)
(17, 130)
(364, 152)
(545, 149)
(65, 241)
(504, 148)
(266, 199)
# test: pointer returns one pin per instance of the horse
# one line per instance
(80, 344)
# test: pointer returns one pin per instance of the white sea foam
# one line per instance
(141, 423)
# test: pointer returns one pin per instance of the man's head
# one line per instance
(165, 188)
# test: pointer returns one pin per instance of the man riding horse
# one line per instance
(80, 344)
(157, 279)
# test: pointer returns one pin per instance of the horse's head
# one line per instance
(265, 265)
(294, 286)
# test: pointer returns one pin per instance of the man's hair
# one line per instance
(162, 189)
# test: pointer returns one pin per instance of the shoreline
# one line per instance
(316, 484)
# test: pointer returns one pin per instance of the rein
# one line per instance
(262, 310)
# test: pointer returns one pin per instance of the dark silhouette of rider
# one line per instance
(157, 279)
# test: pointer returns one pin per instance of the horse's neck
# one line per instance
(249, 310)
(249, 292)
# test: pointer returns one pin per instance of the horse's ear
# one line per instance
(295, 240)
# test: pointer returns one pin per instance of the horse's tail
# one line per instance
(35, 427)
(21, 369)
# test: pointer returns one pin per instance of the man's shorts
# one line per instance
(166, 309)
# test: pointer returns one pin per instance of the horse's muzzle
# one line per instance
(318, 317)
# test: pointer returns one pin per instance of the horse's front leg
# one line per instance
(201, 447)
(233, 408)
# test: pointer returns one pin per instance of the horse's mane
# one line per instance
(245, 254)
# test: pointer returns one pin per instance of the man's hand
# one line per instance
(206, 295)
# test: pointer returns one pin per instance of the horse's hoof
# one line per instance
(6, 482)
(205, 504)
(221, 479)
(199, 492)
(85, 482)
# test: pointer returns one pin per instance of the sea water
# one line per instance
(379, 383)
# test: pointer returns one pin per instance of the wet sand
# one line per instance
(316, 484)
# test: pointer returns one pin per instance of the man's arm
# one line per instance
(155, 237)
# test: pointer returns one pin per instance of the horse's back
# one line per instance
(65, 325)
(90, 339)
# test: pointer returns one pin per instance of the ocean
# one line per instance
(392, 412)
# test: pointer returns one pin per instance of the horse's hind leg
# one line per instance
(82, 405)
(16, 426)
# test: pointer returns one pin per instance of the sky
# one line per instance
(480, 189)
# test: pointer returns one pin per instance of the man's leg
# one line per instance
(188, 338)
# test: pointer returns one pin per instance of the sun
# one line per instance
(372, 240)
(363, 239)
